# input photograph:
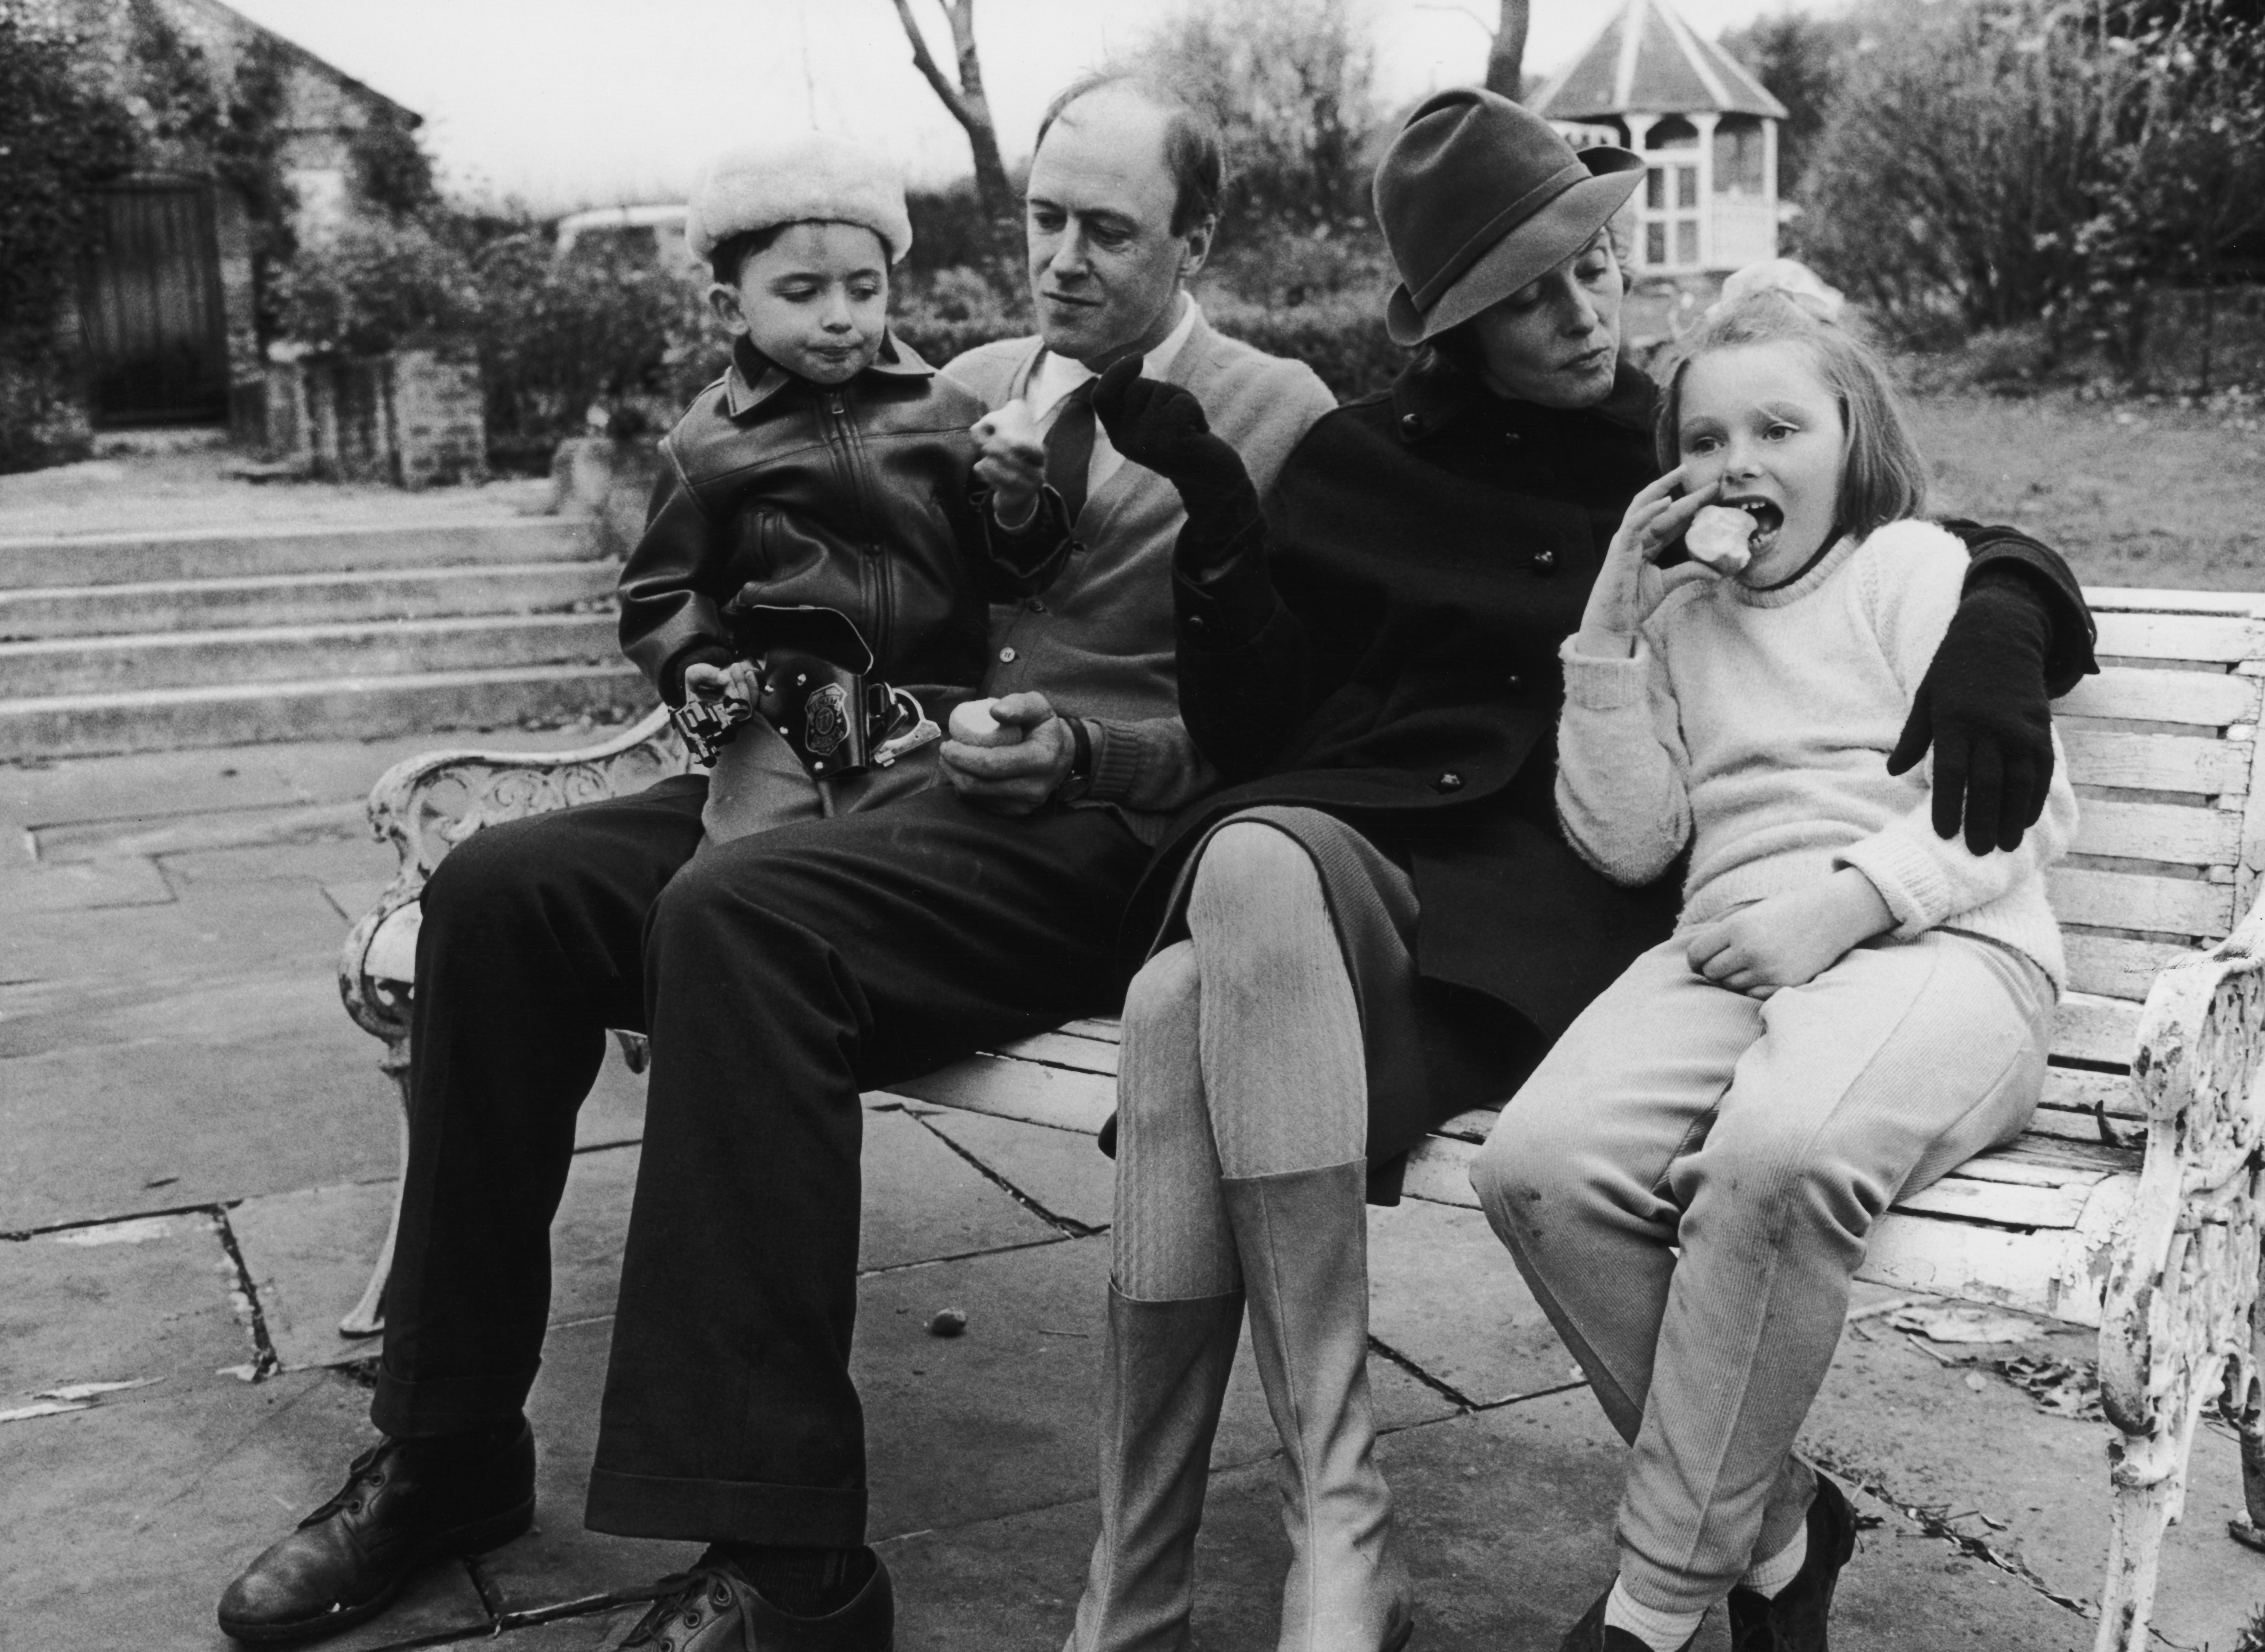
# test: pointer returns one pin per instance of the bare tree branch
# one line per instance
(1505, 71)
(924, 60)
(969, 106)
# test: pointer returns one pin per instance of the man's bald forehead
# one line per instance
(1191, 141)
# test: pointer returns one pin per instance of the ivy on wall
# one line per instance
(79, 110)
(59, 137)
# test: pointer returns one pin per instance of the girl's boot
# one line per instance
(1163, 1374)
(1303, 1239)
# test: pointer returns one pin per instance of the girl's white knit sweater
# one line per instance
(1755, 726)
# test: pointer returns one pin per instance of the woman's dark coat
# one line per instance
(1384, 647)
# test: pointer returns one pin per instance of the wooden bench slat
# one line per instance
(2129, 900)
(1109, 1031)
(2180, 835)
(2076, 1090)
(2057, 1272)
(2158, 762)
(2214, 699)
(2008, 1204)
(2089, 1028)
(2015, 1168)
(2204, 636)
(2115, 967)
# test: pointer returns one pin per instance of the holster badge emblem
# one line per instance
(826, 720)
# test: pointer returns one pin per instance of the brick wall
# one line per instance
(414, 419)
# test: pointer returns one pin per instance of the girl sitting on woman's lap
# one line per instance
(1850, 1007)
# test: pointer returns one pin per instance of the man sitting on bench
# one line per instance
(780, 975)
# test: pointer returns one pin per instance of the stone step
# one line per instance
(303, 653)
(236, 553)
(302, 598)
(359, 707)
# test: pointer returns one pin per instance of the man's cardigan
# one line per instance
(1099, 642)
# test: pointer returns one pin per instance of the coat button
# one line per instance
(1515, 680)
(1412, 424)
(1196, 623)
(1449, 781)
(1034, 605)
(1545, 562)
(1006, 656)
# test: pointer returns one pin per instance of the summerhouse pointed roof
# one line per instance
(1646, 57)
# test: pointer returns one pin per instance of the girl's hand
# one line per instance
(1631, 586)
(735, 681)
(1791, 939)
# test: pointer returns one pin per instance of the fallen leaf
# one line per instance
(88, 1390)
(1964, 1325)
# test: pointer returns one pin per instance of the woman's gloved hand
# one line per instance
(1984, 708)
(1162, 426)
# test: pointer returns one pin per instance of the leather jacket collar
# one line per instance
(754, 378)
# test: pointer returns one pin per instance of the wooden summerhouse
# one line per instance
(1704, 127)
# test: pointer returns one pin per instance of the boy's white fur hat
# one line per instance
(813, 177)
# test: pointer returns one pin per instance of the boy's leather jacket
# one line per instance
(858, 497)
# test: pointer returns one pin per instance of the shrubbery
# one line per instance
(58, 136)
(1996, 165)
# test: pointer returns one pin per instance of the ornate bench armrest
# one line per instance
(425, 806)
(2184, 1265)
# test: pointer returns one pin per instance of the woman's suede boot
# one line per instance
(1163, 1374)
(1303, 1239)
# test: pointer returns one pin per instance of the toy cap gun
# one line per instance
(816, 692)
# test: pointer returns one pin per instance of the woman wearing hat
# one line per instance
(1376, 925)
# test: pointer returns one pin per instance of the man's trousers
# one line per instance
(1764, 1138)
(778, 976)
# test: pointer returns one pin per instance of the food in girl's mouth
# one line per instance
(1720, 538)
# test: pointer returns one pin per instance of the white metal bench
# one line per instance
(2131, 1203)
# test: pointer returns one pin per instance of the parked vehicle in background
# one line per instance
(655, 231)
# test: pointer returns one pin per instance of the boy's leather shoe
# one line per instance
(404, 1502)
(714, 1608)
(1592, 1633)
(1794, 1618)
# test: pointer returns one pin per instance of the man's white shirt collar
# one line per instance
(1058, 374)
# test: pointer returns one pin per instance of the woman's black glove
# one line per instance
(1984, 708)
(1162, 426)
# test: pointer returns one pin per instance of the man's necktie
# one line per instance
(1069, 449)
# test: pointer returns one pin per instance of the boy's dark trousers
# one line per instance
(779, 975)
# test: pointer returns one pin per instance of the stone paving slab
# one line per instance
(959, 1430)
(2033, 1487)
(238, 787)
(1444, 1291)
(150, 1301)
(90, 886)
(126, 1522)
(92, 1134)
(923, 1201)
(1061, 1171)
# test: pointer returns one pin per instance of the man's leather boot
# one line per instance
(1164, 1374)
(714, 1608)
(1794, 1618)
(1303, 1238)
(404, 1502)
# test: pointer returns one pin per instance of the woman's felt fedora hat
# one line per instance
(1477, 197)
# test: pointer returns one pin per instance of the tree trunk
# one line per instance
(968, 105)
(1505, 70)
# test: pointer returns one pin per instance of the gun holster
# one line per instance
(816, 692)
